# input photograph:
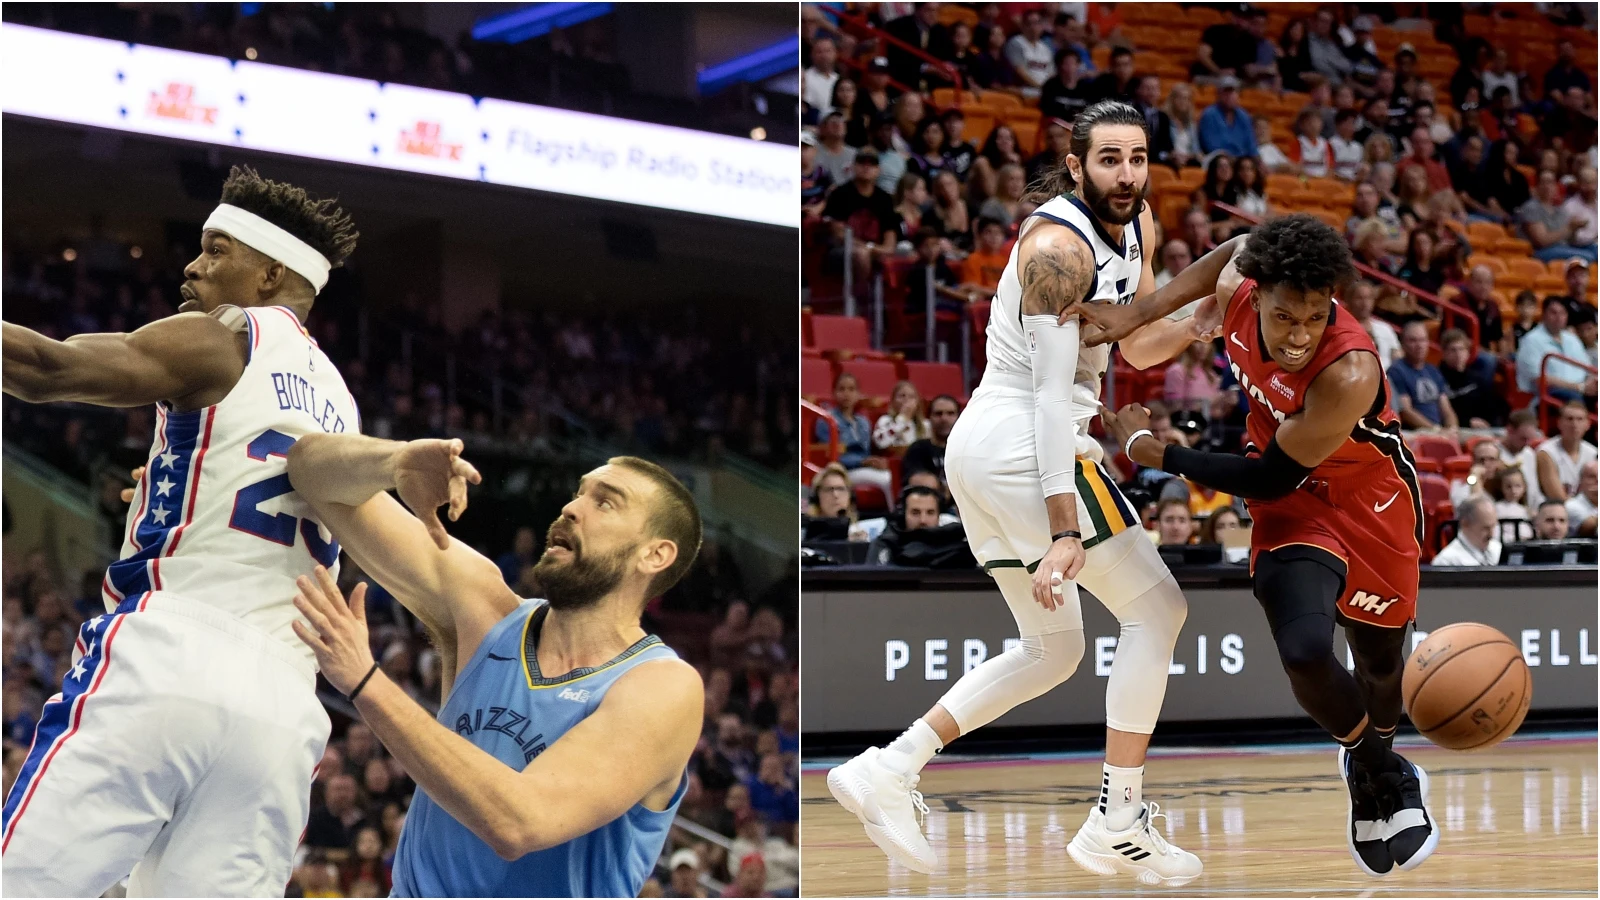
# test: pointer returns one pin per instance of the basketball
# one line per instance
(1466, 687)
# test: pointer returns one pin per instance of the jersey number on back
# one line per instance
(279, 528)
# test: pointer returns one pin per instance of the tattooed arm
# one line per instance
(1057, 270)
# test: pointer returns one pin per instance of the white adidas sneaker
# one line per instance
(889, 807)
(1140, 851)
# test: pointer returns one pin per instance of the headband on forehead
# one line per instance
(250, 229)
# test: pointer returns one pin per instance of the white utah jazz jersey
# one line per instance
(214, 519)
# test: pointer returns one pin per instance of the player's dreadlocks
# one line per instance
(1297, 251)
(320, 223)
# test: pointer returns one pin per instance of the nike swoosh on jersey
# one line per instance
(1377, 508)
(1234, 336)
(1099, 266)
(502, 658)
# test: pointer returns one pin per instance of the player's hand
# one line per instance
(127, 492)
(1061, 564)
(1128, 421)
(1103, 322)
(1206, 323)
(429, 474)
(338, 632)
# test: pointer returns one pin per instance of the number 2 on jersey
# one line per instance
(279, 528)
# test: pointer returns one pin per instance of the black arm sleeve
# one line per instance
(1266, 477)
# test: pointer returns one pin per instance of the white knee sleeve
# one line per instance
(1138, 682)
(1011, 679)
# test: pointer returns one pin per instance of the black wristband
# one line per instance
(370, 672)
(1065, 534)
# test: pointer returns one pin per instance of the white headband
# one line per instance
(250, 229)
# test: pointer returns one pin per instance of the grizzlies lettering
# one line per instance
(508, 722)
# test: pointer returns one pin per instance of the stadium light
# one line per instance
(755, 66)
(534, 20)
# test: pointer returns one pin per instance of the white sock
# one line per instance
(912, 749)
(1120, 793)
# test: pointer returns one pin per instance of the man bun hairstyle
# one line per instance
(321, 224)
(674, 518)
(1298, 251)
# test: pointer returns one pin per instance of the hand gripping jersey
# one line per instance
(1362, 503)
(1116, 279)
(214, 519)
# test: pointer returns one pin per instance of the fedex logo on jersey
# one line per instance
(508, 722)
(1255, 392)
(296, 393)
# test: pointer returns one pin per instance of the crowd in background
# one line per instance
(1424, 160)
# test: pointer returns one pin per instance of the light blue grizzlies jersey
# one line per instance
(504, 706)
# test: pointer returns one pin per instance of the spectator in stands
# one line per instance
(1520, 450)
(1197, 232)
(1348, 153)
(920, 505)
(1565, 380)
(927, 454)
(1325, 51)
(772, 792)
(1007, 204)
(523, 553)
(1475, 543)
(1175, 256)
(948, 213)
(1220, 187)
(1192, 382)
(867, 211)
(1370, 245)
(1551, 522)
(1057, 143)
(1562, 457)
(815, 179)
(1479, 297)
(1001, 148)
(1185, 134)
(1294, 55)
(1585, 329)
(333, 822)
(1469, 175)
(1311, 151)
(1272, 157)
(1580, 207)
(1420, 270)
(961, 56)
(1174, 523)
(1225, 126)
(1549, 226)
(1147, 98)
(1231, 48)
(1220, 524)
(959, 154)
(920, 29)
(821, 75)
(1068, 90)
(1470, 377)
(1581, 507)
(1499, 75)
(1362, 51)
(988, 260)
(874, 96)
(846, 93)
(927, 151)
(910, 197)
(1422, 157)
(991, 68)
(831, 511)
(855, 435)
(1418, 386)
(1029, 55)
(751, 880)
(833, 154)
(903, 423)
(1375, 124)
(781, 857)
(1526, 318)
(1250, 188)
(1070, 32)
(1565, 74)
(1117, 84)
(685, 878)
(1505, 190)
(1509, 490)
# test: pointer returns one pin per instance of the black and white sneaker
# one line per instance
(1365, 826)
(1410, 831)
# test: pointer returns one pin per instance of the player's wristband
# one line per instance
(370, 672)
(1127, 449)
(1066, 534)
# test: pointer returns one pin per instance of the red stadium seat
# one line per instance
(805, 327)
(870, 501)
(816, 378)
(840, 333)
(1435, 489)
(933, 379)
(1457, 466)
(1433, 446)
(876, 378)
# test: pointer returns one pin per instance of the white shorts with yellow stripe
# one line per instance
(993, 472)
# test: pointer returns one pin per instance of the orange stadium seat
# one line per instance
(980, 121)
(1485, 234)
(1000, 101)
(1547, 284)
(1334, 220)
(840, 333)
(1281, 185)
(1170, 210)
(1524, 267)
(816, 378)
(1512, 247)
(1496, 264)
(1558, 268)
(933, 379)
(877, 378)
(1028, 137)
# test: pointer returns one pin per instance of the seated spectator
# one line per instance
(1311, 151)
(1479, 297)
(1363, 298)
(1147, 98)
(1197, 232)
(1562, 457)
(1418, 386)
(1370, 245)
(1185, 134)
(1470, 379)
(819, 78)
(1475, 543)
(927, 454)
(1250, 187)
(1225, 125)
(1584, 327)
(903, 423)
(1192, 381)
(1551, 522)
(959, 154)
(921, 507)
(1174, 257)
(927, 151)
(1509, 490)
(1071, 32)
(1217, 528)
(1294, 56)
(1485, 465)
(685, 878)
(1219, 187)
(1068, 91)
(1422, 157)
(987, 262)
(948, 214)
(1526, 319)
(1233, 48)
(855, 435)
(1349, 155)
(930, 262)
(1420, 270)
(523, 553)
(1499, 75)
(1549, 226)
(1520, 450)
(1565, 380)
(1001, 149)
(962, 54)
(1369, 206)
(772, 792)
(1577, 296)
(1581, 508)
(991, 68)
(833, 154)
(1057, 144)
(1006, 205)
(920, 29)
(1174, 523)
(1469, 175)
(815, 179)
(893, 162)
(1117, 84)
(867, 211)
(1580, 207)
(1029, 55)
(1326, 51)
(781, 857)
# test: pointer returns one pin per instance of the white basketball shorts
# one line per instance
(993, 472)
(181, 749)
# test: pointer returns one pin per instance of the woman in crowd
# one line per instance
(1185, 125)
(832, 498)
(949, 212)
(1508, 187)
(1311, 151)
(1250, 186)
(1294, 55)
(1001, 149)
(1413, 195)
(1220, 187)
(1420, 269)
(855, 435)
(903, 423)
(1217, 528)
(1006, 204)
(845, 93)
(1192, 381)
(910, 198)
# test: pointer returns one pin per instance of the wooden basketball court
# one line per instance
(1519, 820)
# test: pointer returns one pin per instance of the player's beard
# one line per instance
(1100, 203)
(579, 582)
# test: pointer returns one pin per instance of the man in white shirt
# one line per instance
(821, 75)
(1565, 380)
(1580, 207)
(1362, 298)
(1582, 510)
(1030, 57)
(1561, 458)
(1475, 543)
(1522, 436)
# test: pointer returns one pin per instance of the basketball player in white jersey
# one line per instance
(1042, 516)
(182, 746)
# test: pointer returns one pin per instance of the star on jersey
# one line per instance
(77, 670)
(160, 514)
(90, 651)
(168, 458)
(96, 622)
(163, 487)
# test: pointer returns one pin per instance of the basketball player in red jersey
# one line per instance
(1333, 492)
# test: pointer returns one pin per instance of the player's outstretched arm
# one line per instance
(1108, 322)
(452, 588)
(189, 355)
(631, 750)
(1164, 339)
(1339, 397)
